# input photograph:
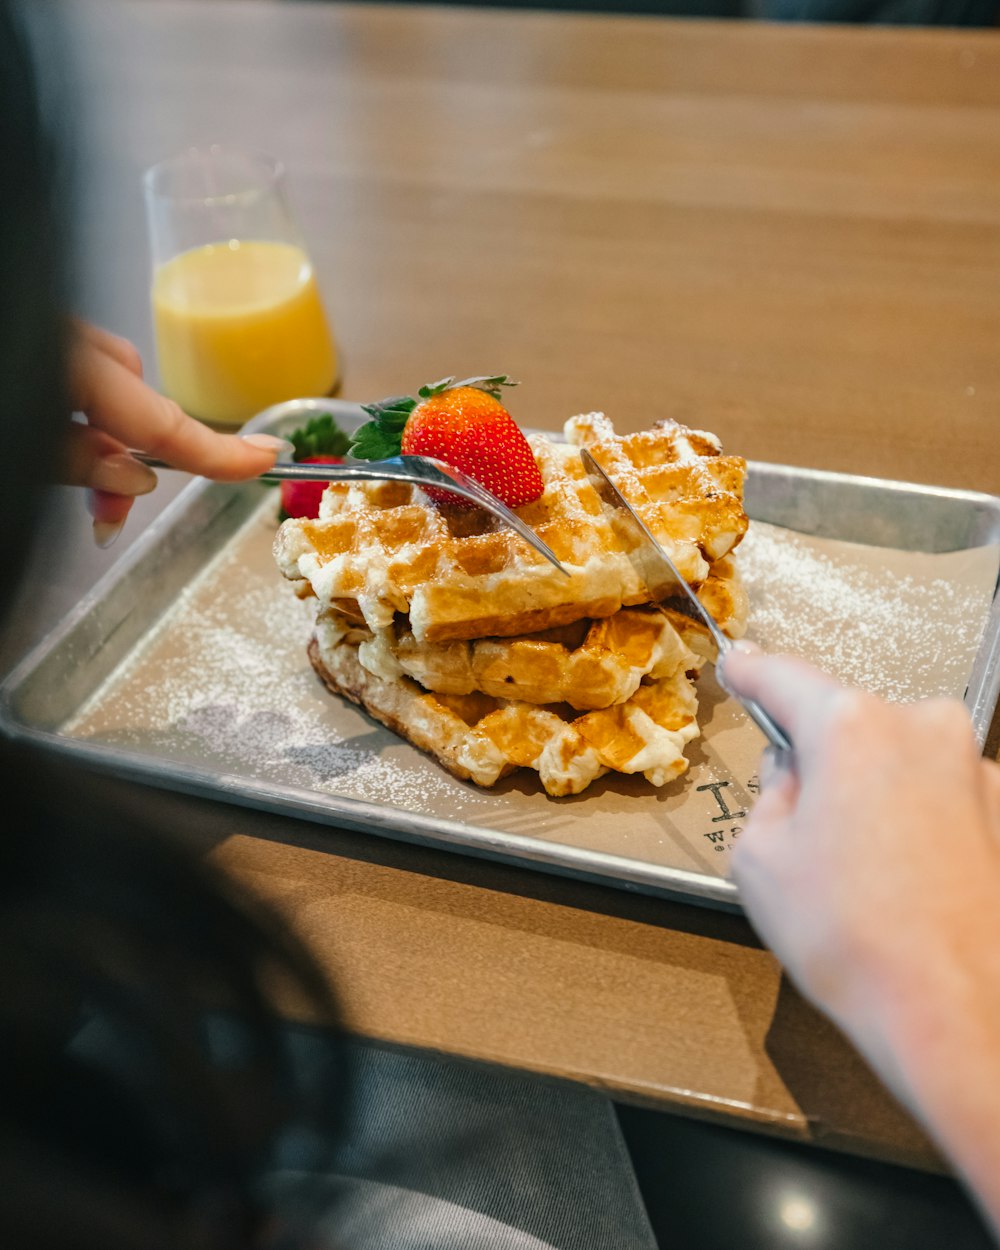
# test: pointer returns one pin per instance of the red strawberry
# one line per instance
(301, 498)
(465, 425)
(319, 441)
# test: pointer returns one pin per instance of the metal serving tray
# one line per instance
(134, 639)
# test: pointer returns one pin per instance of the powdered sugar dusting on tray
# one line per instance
(224, 681)
(903, 635)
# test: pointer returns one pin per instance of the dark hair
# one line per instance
(33, 273)
(146, 1081)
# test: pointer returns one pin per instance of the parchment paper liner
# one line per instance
(224, 682)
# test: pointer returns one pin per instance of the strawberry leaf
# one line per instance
(391, 413)
(491, 385)
(380, 438)
(371, 443)
(320, 436)
(435, 388)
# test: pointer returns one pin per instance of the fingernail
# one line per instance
(268, 442)
(105, 532)
(122, 475)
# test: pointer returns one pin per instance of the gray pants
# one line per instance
(448, 1155)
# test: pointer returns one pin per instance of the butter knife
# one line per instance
(661, 577)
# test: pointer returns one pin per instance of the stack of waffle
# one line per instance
(447, 627)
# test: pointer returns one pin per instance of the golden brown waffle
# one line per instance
(725, 596)
(481, 738)
(379, 549)
(589, 664)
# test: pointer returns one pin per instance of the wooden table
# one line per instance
(788, 235)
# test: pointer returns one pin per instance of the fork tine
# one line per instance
(497, 507)
(418, 470)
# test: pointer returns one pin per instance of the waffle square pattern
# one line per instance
(454, 633)
(480, 738)
(379, 549)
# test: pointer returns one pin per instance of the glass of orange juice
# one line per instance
(237, 313)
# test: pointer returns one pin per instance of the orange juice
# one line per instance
(239, 326)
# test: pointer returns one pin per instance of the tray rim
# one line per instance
(367, 817)
(602, 867)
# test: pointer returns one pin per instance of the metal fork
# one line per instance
(418, 470)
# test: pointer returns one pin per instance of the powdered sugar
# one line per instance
(223, 681)
(889, 622)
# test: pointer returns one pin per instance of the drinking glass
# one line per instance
(237, 313)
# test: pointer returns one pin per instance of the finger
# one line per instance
(109, 512)
(776, 802)
(774, 763)
(95, 459)
(794, 692)
(112, 345)
(82, 444)
(766, 830)
(991, 777)
(122, 405)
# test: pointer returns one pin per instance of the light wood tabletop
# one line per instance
(788, 235)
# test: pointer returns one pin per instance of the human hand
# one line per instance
(122, 411)
(880, 841)
(871, 866)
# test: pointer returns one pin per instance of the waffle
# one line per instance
(589, 664)
(380, 549)
(480, 738)
(725, 597)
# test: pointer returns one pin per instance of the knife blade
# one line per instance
(662, 578)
